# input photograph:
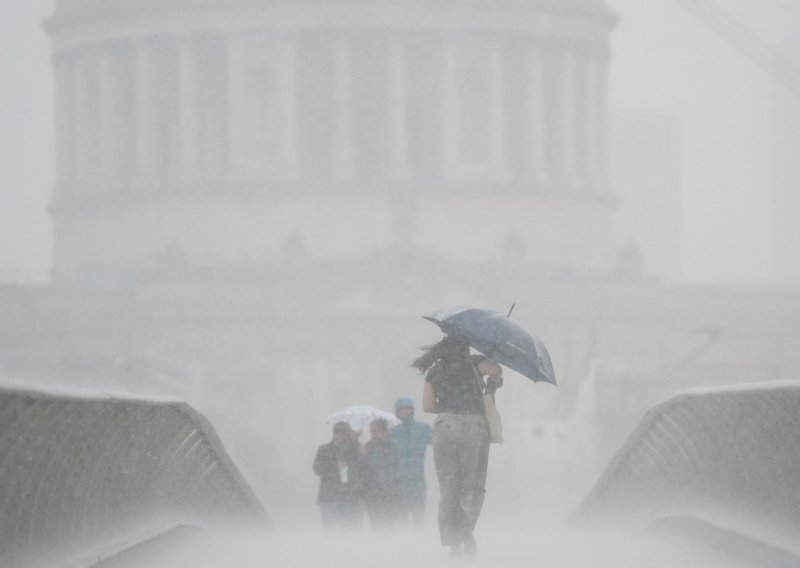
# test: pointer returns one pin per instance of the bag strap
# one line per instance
(481, 382)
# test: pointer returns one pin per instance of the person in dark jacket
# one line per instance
(380, 476)
(339, 466)
(454, 389)
(412, 438)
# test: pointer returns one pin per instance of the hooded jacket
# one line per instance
(412, 440)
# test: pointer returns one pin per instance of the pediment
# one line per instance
(399, 282)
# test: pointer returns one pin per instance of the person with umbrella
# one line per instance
(339, 466)
(454, 389)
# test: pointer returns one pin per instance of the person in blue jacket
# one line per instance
(412, 438)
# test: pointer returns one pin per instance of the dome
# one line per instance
(232, 131)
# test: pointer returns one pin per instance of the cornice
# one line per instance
(78, 22)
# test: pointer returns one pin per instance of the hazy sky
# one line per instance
(667, 60)
(663, 60)
(26, 139)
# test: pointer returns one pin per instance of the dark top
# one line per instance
(336, 486)
(457, 385)
(380, 471)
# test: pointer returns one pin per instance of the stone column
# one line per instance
(343, 151)
(601, 143)
(109, 141)
(65, 119)
(145, 112)
(235, 50)
(263, 115)
(449, 102)
(539, 137)
(78, 117)
(188, 131)
(90, 99)
(488, 73)
(591, 133)
(289, 166)
(567, 108)
(215, 146)
(399, 160)
(499, 164)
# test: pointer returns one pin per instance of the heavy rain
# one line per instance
(268, 268)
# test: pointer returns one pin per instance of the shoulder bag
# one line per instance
(490, 412)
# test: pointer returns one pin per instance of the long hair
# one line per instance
(448, 348)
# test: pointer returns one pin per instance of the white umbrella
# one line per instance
(359, 417)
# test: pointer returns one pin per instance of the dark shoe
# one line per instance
(470, 547)
(455, 551)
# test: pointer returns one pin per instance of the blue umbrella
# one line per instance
(500, 338)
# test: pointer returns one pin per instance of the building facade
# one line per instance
(233, 132)
(256, 200)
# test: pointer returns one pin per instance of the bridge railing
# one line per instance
(78, 470)
(731, 451)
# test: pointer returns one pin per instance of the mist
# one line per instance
(665, 63)
(249, 208)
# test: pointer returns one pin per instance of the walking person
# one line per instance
(454, 389)
(380, 476)
(339, 465)
(412, 438)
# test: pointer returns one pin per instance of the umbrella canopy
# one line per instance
(359, 417)
(500, 338)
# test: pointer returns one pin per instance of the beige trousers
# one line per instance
(461, 455)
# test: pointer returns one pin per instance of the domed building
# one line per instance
(240, 131)
(256, 199)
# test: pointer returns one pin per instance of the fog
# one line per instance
(657, 252)
(502, 545)
(664, 60)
